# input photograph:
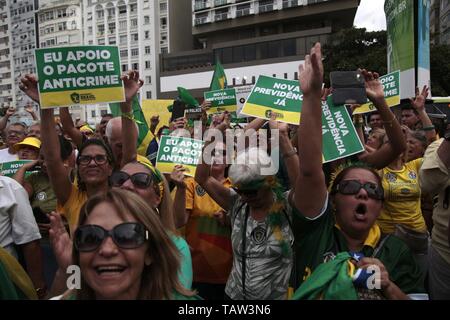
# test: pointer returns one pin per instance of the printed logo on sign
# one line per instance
(277, 114)
(75, 97)
(87, 97)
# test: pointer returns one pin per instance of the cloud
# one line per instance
(370, 15)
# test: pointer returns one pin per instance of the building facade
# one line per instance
(251, 38)
(6, 79)
(60, 24)
(440, 22)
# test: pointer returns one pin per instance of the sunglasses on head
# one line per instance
(140, 180)
(128, 235)
(348, 187)
(246, 192)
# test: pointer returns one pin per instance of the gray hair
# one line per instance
(116, 121)
(249, 166)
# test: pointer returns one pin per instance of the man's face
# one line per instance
(409, 118)
(375, 121)
(103, 124)
(14, 134)
(115, 142)
(34, 131)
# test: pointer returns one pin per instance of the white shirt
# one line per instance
(17, 223)
(5, 156)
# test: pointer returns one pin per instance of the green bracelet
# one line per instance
(429, 128)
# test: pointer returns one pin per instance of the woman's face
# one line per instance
(148, 194)
(257, 198)
(356, 213)
(93, 166)
(110, 271)
(28, 153)
(374, 140)
(415, 149)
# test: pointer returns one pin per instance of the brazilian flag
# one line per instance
(145, 136)
(219, 79)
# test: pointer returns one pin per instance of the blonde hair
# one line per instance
(159, 280)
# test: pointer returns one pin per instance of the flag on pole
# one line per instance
(219, 79)
(145, 136)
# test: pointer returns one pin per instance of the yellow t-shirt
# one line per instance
(210, 242)
(402, 198)
(71, 209)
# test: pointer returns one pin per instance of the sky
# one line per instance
(370, 15)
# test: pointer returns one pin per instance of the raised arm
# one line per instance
(132, 85)
(397, 142)
(419, 105)
(50, 144)
(29, 108)
(310, 184)
(69, 128)
(179, 202)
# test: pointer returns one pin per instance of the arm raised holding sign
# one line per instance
(388, 152)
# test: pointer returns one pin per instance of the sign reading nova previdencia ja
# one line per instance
(391, 87)
(221, 100)
(339, 136)
(178, 150)
(9, 169)
(79, 75)
(275, 95)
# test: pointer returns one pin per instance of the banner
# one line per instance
(221, 100)
(400, 43)
(178, 150)
(275, 95)
(423, 43)
(79, 75)
(9, 169)
(339, 136)
(391, 87)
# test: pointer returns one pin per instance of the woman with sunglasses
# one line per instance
(345, 219)
(141, 178)
(124, 252)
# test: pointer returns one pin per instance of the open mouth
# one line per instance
(109, 270)
(361, 211)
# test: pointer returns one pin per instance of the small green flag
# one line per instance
(219, 79)
(186, 97)
(139, 118)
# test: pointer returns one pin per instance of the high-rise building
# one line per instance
(60, 24)
(6, 79)
(22, 42)
(440, 21)
(251, 38)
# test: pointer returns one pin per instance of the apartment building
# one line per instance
(6, 80)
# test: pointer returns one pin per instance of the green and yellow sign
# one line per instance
(179, 151)
(391, 87)
(9, 169)
(79, 75)
(221, 100)
(283, 97)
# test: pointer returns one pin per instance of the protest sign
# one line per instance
(221, 100)
(242, 94)
(9, 169)
(391, 87)
(283, 97)
(339, 136)
(79, 75)
(178, 150)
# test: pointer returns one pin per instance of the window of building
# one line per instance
(163, 6)
(133, 8)
(146, 35)
(147, 50)
(149, 94)
(134, 52)
(61, 13)
(122, 9)
(124, 67)
(89, 30)
(146, 20)
(148, 65)
(123, 39)
(112, 27)
(148, 79)
(134, 37)
(134, 22)
(100, 14)
(123, 53)
(93, 113)
(101, 41)
(123, 24)
(135, 66)
(112, 40)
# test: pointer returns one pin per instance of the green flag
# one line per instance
(219, 79)
(186, 97)
(145, 135)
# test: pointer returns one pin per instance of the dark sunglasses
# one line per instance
(140, 180)
(373, 190)
(99, 159)
(128, 235)
(246, 192)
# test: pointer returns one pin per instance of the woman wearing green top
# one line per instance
(123, 252)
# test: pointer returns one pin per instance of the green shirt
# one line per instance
(319, 240)
(43, 195)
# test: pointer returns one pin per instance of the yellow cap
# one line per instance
(30, 141)
(86, 128)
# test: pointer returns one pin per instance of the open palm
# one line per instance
(311, 73)
(132, 84)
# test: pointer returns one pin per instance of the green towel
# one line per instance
(330, 281)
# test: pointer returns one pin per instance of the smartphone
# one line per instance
(193, 114)
(40, 216)
(348, 87)
(178, 109)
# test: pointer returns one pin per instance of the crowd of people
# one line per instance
(371, 226)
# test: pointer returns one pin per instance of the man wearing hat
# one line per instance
(28, 149)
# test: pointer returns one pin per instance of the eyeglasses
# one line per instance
(373, 190)
(99, 159)
(246, 192)
(128, 235)
(140, 180)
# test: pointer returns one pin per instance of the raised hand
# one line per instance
(418, 102)
(374, 88)
(61, 242)
(29, 108)
(11, 110)
(29, 85)
(132, 84)
(281, 126)
(311, 73)
(221, 122)
(177, 176)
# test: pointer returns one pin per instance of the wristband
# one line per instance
(429, 128)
